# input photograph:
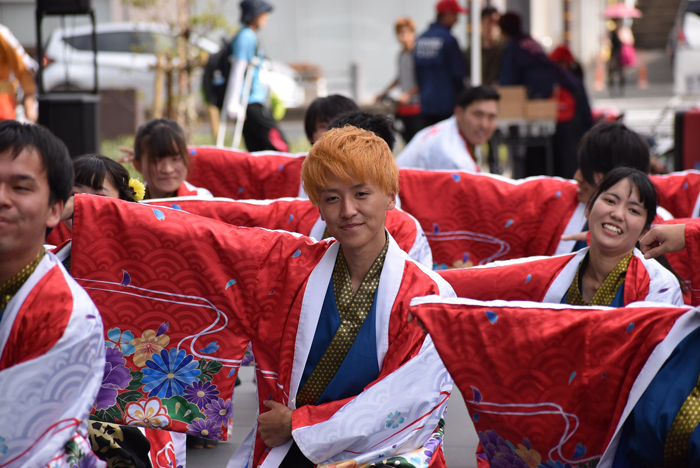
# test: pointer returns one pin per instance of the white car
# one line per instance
(686, 45)
(127, 55)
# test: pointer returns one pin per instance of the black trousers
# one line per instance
(261, 132)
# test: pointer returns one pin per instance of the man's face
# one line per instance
(489, 26)
(321, 128)
(477, 121)
(449, 19)
(407, 37)
(585, 190)
(355, 212)
(25, 212)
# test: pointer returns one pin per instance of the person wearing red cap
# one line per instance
(439, 65)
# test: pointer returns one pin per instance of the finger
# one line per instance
(579, 236)
(656, 251)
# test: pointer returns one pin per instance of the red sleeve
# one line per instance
(692, 245)
(524, 281)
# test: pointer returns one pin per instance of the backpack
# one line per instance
(216, 73)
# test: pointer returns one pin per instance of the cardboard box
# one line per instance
(541, 109)
(512, 103)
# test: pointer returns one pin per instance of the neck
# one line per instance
(600, 265)
(253, 27)
(155, 193)
(360, 259)
(9, 267)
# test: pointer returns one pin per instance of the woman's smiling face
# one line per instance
(617, 219)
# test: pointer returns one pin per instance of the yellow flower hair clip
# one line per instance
(138, 188)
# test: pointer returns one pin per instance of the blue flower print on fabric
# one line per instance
(167, 374)
(122, 341)
(394, 419)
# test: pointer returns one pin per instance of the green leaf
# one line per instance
(135, 383)
(125, 398)
(109, 415)
(208, 369)
(180, 409)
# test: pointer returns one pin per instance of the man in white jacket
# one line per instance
(450, 144)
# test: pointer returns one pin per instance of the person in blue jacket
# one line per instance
(439, 65)
(260, 129)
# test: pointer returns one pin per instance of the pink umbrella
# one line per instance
(621, 11)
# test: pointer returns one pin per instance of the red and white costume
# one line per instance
(548, 279)
(552, 384)
(440, 146)
(297, 215)
(212, 288)
(189, 190)
(52, 361)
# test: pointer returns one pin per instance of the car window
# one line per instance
(137, 42)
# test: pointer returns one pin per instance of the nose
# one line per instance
(4, 195)
(348, 208)
(578, 176)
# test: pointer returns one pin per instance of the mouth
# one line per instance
(350, 227)
(612, 229)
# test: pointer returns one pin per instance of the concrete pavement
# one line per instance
(460, 438)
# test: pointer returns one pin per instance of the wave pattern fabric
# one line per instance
(182, 295)
(300, 216)
(550, 385)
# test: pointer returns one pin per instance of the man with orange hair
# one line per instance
(351, 176)
(341, 375)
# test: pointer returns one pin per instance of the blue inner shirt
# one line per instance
(360, 366)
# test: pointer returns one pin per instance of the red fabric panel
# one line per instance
(41, 321)
(547, 368)
(527, 281)
(471, 219)
(678, 192)
(239, 175)
(59, 235)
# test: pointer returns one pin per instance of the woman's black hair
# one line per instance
(609, 145)
(325, 109)
(160, 138)
(92, 169)
(645, 188)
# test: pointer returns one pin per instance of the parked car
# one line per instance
(684, 44)
(127, 55)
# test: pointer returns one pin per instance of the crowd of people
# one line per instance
(361, 286)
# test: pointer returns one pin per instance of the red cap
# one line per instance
(562, 54)
(449, 6)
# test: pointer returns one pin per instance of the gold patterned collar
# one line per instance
(607, 291)
(10, 288)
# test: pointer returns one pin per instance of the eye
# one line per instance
(635, 211)
(362, 194)
(331, 199)
(609, 201)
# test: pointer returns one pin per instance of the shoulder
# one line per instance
(246, 37)
(663, 285)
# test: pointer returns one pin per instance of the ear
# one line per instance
(392, 202)
(137, 165)
(54, 214)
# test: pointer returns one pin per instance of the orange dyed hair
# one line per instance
(404, 22)
(349, 153)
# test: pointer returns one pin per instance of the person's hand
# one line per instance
(404, 98)
(275, 426)
(411, 318)
(30, 108)
(235, 111)
(663, 239)
(128, 155)
(68, 209)
(579, 236)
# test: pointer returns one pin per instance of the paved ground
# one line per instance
(460, 440)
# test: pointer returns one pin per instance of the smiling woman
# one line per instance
(619, 213)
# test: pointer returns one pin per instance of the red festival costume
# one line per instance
(194, 291)
(547, 384)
